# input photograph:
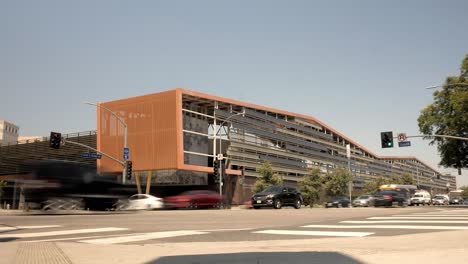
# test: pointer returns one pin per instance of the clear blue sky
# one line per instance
(359, 66)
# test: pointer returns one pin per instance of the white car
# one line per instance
(144, 202)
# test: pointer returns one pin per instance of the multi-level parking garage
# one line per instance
(174, 135)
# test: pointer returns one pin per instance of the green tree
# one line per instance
(405, 179)
(267, 179)
(373, 185)
(447, 115)
(464, 194)
(337, 183)
(311, 186)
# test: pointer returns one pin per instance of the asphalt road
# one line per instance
(152, 227)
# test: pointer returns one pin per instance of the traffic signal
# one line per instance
(216, 170)
(129, 169)
(55, 140)
(386, 138)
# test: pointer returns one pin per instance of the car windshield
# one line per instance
(272, 189)
(439, 197)
(363, 197)
(418, 195)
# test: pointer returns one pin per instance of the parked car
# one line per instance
(465, 202)
(440, 200)
(142, 202)
(277, 196)
(338, 202)
(421, 197)
(364, 200)
(390, 198)
(194, 200)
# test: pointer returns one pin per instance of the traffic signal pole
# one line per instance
(124, 173)
(441, 136)
(123, 163)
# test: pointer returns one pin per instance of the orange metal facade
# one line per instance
(154, 132)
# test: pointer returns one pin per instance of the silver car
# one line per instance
(364, 200)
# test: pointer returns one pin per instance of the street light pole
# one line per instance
(124, 174)
(220, 149)
(442, 85)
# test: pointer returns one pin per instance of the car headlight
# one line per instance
(270, 196)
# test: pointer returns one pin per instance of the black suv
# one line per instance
(276, 197)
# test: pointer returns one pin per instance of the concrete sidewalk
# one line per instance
(437, 247)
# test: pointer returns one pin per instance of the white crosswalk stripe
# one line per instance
(406, 221)
(10, 228)
(415, 227)
(62, 232)
(418, 217)
(314, 233)
(432, 215)
(141, 237)
(451, 220)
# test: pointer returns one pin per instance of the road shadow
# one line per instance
(7, 239)
(260, 258)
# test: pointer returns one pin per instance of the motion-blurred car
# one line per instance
(440, 200)
(143, 202)
(390, 198)
(456, 200)
(465, 202)
(338, 202)
(364, 200)
(276, 197)
(194, 200)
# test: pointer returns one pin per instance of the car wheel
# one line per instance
(277, 204)
(256, 207)
(297, 204)
(193, 205)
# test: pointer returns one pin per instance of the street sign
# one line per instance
(91, 155)
(126, 153)
(404, 144)
(402, 137)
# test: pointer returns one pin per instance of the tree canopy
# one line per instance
(267, 179)
(338, 182)
(311, 186)
(373, 185)
(448, 115)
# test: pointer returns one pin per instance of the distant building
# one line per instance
(8, 133)
(25, 139)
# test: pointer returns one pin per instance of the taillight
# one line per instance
(386, 197)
